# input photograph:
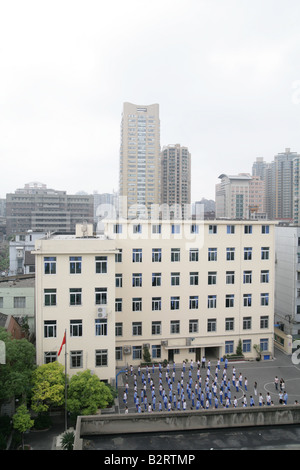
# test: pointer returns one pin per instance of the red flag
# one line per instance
(63, 342)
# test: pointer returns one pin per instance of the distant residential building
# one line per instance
(37, 208)
(105, 203)
(139, 171)
(176, 180)
(17, 298)
(21, 260)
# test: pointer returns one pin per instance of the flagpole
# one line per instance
(66, 414)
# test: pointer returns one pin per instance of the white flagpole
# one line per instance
(66, 393)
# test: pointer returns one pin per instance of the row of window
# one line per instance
(194, 228)
(101, 329)
(18, 302)
(75, 297)
(75, 262)
(137, 278)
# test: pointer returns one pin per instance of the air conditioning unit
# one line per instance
(164, 343)
(127, 349)
(101, 312)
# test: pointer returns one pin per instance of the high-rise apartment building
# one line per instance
(139, 174)
(37, 208)
(176, 180)
(232, 196)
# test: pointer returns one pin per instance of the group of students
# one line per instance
(214, 391)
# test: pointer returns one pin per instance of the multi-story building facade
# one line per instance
(182, 289)
(139, 172)
(40, 209)
(287, 279)
(176, 180)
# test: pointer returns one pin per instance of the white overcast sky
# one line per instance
(226, 74)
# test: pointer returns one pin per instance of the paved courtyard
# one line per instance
(151, 385)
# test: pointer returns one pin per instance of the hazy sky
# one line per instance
(226, 74)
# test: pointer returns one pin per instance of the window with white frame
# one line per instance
(101, 295)
(101, 264)
(101, 327)
(75, 328)
(50, 329)
(101, 357)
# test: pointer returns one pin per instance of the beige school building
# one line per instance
(184, 289)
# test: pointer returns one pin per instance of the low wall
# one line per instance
(185, 421)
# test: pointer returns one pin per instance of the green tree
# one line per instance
(15, 374)
(87, 394)
(48, 387)
(22, 421)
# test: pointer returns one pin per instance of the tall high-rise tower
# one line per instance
(139, 176)
(176, 179)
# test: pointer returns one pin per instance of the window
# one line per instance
(247, 300)
(248, 229)
(264, 321)
(136, 328)
(101, 295)
(118, 305)
(230, 254)
(119, 329)
(247, 253)
(228, 347)
(247, 322)
(264, 299)
(212, 254)
(265, 252)
(212, 229)
(75, 264)
(101, 327)
(175, 254)
(137, 352)
(156, 303)
(211, 324)
(119, 280)
(265, 229)
(175, 279)
(156, 255)
(137, 280)
(137, 255)
(119, 353)
(175, 228)
(1, 302)
(75, 327)
(156, 328)
(174, 303)
(247, 277)
(137, 304)
(229, 277)
(194, 228)
(194, 278)
(156, 279)
(174, 326)
(264, 276)
(264, 344)
(212, 301)
(101, 264)
(212, 277)
(194, 254)
(101, 358)
(118, 228)
(137, 228)
(50, 329)
(229, 324)
(156, 228)
(19, 302)
(193, 326)
(230, 229)
(49, 297)
(246, 345)
(50, 265)
(229, 301)
(156, 351)
(118, 257)
(193, 304)
(75, 296)
(76, 359)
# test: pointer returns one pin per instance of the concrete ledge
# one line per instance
(185, 420)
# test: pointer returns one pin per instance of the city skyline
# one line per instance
(227, 90)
